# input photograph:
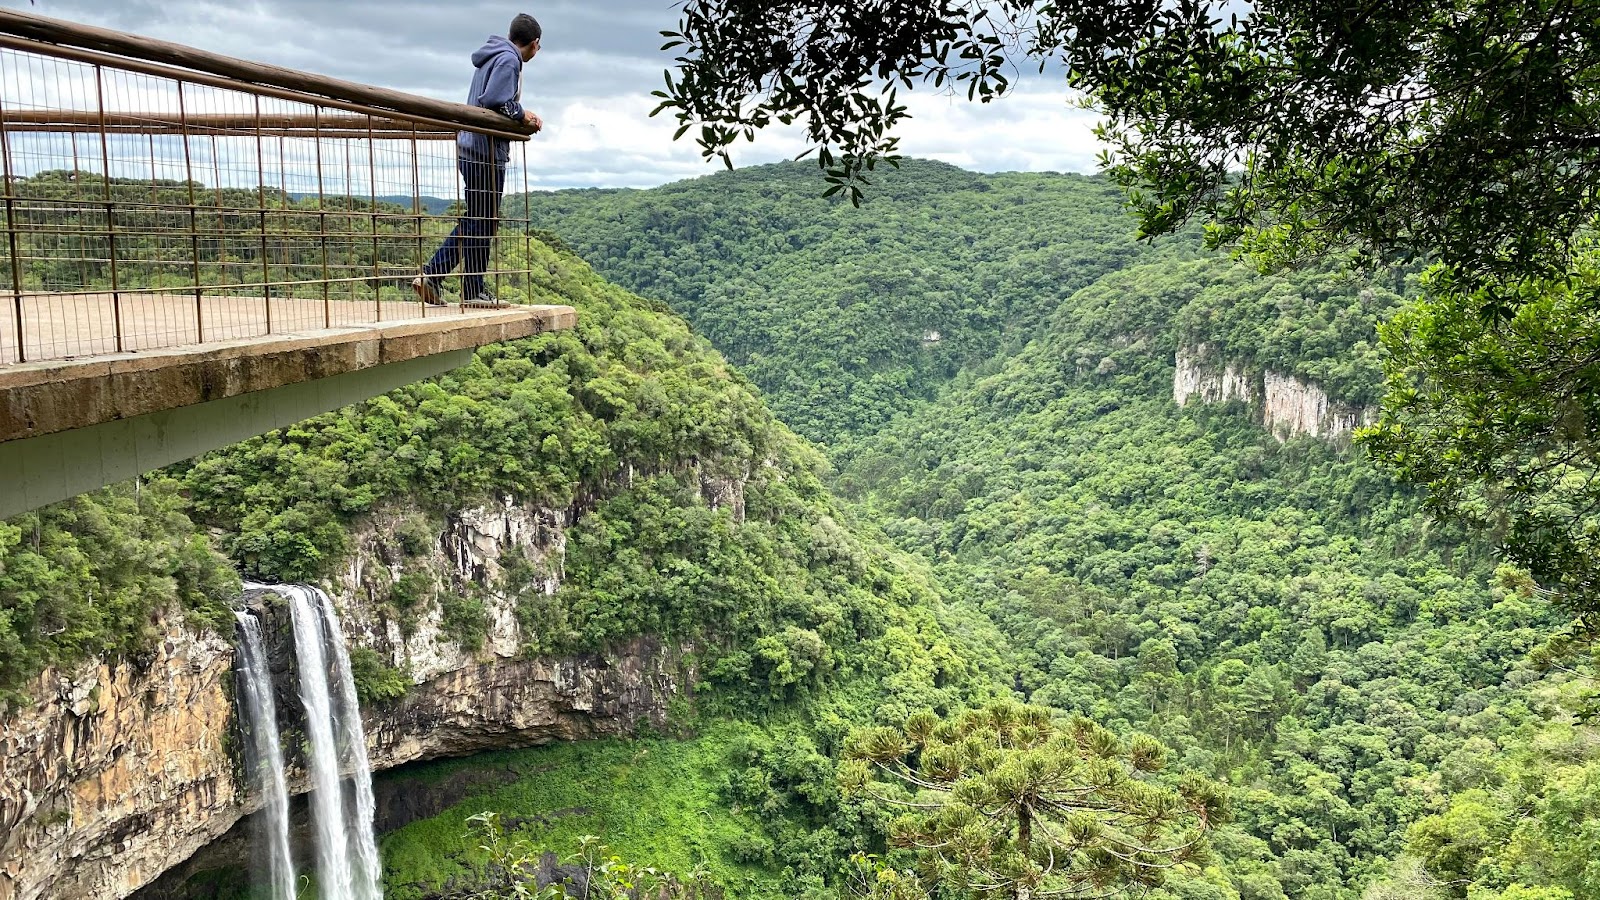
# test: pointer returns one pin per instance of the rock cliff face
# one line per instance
(1285, 405)
(116, 773)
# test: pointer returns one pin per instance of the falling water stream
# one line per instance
(264, 756)
(341, 799)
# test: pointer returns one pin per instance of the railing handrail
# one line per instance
(245, 73)
(53, 121)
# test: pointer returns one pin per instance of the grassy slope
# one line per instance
(653, 801)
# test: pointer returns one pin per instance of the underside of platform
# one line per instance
(70, 427)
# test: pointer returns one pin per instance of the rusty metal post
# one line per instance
(285, 237)
(83, 239)
(416, 204)
(527, 228)
(111, 212)
(194, 218)
(348, 178)
(372, 190)
(322, 226)
(11, 233)
(222, 220)
(261, 201)
(67, 40)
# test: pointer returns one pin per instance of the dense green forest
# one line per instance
(845, 318)
(1007, 503)
(797, 613)
(1280, 614)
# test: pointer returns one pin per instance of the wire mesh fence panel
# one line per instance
(147, 207)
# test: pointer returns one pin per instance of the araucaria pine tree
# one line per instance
(1007, 802)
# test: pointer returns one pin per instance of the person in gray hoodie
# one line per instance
(497, 86)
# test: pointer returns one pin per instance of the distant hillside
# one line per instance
(845, 317)
(992, 358)
(431, 205)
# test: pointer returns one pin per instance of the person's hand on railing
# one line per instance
(528, 118)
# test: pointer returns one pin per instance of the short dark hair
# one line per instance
(524, 30)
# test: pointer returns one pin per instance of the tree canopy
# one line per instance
(1502, 422)
(1005, 802)
(1465, 131)
(1274, 612)
(1279, 615)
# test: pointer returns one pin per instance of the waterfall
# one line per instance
(347, 854)
(348, 866)
(367, 871)
(264, 756)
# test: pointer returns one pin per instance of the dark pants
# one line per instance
(468, 243)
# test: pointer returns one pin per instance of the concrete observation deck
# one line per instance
(69, 426)
(153, 196)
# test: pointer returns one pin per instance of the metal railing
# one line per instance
(157, 195)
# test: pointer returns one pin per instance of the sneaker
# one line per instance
(482, 300)
(427, 291)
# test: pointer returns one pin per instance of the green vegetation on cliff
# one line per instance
(694, 514)
(89, 577)
(687, 513)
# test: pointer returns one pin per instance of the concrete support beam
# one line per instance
(71, 427)
(53, 467)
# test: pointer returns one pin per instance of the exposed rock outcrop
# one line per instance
(115, 774)
(1195, 378)
(1283, 404)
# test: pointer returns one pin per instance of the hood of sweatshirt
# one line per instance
(493, 47)
(496, 85)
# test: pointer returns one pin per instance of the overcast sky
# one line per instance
(591, 81)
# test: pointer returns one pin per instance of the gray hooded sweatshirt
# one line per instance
(496, 85)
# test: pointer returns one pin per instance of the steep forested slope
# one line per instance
(1280, 612)
(622, 422)
(845, 317)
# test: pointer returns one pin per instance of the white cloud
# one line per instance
(1032, 130)
(592, 84)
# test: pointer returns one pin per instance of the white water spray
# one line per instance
(264, 756)
(342, 807)
(366, 870)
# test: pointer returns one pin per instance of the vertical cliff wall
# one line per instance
(115, 772)
(1283, 404)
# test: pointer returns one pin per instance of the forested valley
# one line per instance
(990, 362)
(990, 496)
